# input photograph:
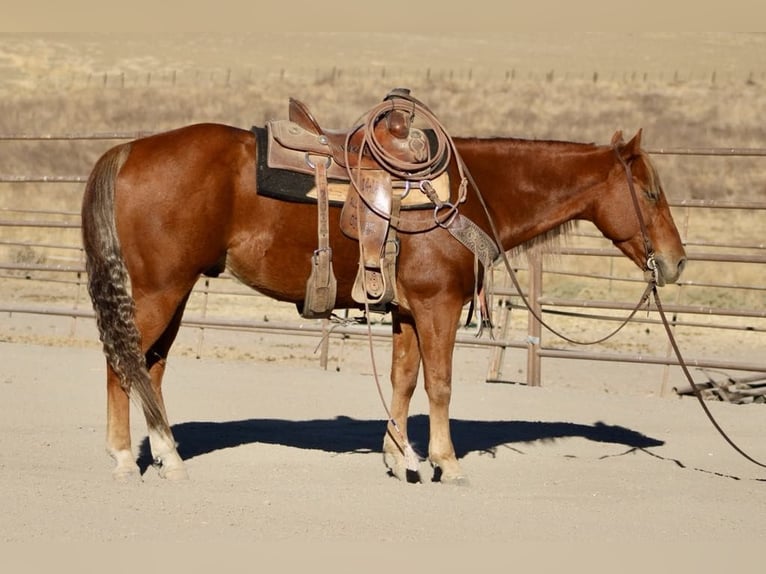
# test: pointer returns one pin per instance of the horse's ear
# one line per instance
(617, 138)
(633, 147)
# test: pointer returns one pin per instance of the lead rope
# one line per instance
(694, 386)
(410, 456)
(411, 459)
(650, 271)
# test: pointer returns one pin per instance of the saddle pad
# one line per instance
(299, 187)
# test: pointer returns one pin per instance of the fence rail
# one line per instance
(63, 266)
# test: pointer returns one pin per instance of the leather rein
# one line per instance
(650, 273)
(651, 268)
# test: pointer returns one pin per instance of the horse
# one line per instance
(160, 211)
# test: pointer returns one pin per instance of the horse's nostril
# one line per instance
(681, 265)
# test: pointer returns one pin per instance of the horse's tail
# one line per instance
(108, 285)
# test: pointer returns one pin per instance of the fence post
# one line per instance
(534, 328)
(325, 344)
(201, 337)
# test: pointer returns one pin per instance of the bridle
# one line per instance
(650, 265)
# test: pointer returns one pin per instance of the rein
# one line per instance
(650, 272)
(694, 386)
(515, 280)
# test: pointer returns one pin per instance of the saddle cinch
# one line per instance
(375, 158)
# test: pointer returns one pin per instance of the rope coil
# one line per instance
(433, 165)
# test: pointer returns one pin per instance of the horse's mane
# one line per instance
(546, 244)
(535, 141)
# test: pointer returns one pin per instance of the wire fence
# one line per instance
(245, 76)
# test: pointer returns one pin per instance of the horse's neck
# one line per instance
(534, 187)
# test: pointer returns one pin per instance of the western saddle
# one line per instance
(384, 158)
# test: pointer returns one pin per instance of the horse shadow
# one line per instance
(347, 435)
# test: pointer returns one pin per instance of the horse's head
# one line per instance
(621, 211)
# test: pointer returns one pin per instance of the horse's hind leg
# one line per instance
(118, 428)
(158, 319)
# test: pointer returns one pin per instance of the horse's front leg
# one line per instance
(397, 454)
(437, 329)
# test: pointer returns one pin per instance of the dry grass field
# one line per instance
(683, 90)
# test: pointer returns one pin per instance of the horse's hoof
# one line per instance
(398, 469)
(395, 465)
(453, 478)
(175, 473)
(412, 476)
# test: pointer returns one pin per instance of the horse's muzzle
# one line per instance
(668, 270)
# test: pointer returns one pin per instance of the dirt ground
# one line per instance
(287, 452)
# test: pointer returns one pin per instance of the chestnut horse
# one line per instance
(160, 211)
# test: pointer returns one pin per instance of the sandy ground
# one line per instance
(284, 452)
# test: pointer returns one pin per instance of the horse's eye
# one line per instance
(651, 193)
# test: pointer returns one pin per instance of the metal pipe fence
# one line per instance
(55, 270)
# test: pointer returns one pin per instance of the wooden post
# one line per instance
(201, 335)
(534, 329)
(325, 348)
(498, 353)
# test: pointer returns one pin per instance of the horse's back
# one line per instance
(194, 143)
(186, 164)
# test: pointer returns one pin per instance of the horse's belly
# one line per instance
(281, 271)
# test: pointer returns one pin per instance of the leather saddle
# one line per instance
(395, 134)
(301, 144)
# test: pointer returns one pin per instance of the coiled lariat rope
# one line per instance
(434, 162)
(419, 173)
